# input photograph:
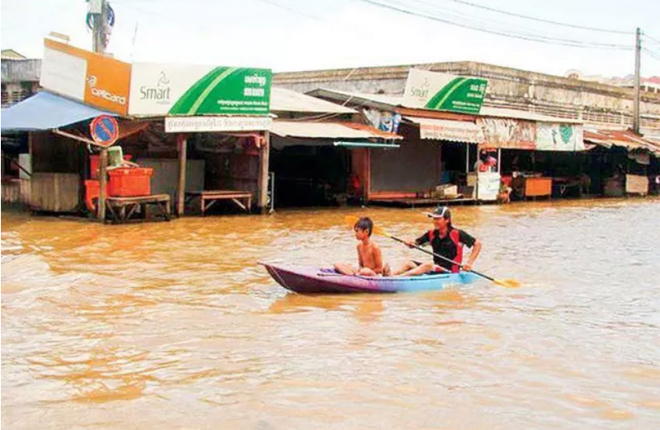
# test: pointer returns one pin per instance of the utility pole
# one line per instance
(638, 51)
(99, 12)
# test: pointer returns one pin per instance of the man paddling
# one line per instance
(446, 241)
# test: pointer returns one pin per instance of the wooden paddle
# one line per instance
(508, 283)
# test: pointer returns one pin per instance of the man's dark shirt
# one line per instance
(447, 247)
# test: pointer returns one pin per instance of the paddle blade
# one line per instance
(379, 231)
(507, 283)
(351, 220)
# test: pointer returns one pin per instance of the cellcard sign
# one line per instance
(95, 79)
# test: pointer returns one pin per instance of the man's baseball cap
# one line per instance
(440, 212)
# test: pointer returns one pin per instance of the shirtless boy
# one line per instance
(369, 255)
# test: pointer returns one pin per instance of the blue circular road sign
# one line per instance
(104, 130)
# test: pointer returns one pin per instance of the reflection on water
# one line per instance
(173, 325)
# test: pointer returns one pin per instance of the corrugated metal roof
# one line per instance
(328, 130)
(283, 100)
(380, 101)
(10, 54)
(524, 115)
(442, 129)
(625, 139)
(393, 102)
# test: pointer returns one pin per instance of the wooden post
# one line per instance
(181, 191)
(367, 179)
(28, 198)
(31, 149)
(103, 181)
(439, 163)
(262, 180)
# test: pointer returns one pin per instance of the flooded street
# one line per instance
(174, 325)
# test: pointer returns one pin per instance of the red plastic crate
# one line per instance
(130, 182)
(95, 160)
(92, 190)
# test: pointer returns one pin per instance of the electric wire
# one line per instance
(547, 21)
(523, 36)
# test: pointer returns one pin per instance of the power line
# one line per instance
(506, 27)
(448, 13)
(547, 21)
(523, 36)
(646, 36)
(270, 2)
(536, 37)
(652, 54)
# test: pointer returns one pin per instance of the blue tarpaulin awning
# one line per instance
(46, 111)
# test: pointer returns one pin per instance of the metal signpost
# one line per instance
(104, 130)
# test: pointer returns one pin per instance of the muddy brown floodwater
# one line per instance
(174, 326)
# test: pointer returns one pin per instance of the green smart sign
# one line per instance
(441, 91)
(199, 90)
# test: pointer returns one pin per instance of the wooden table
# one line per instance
(122, 209)
(242, 199)
(532, 187)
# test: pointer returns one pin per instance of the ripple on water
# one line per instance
(173, 325)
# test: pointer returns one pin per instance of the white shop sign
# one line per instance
(193, 124)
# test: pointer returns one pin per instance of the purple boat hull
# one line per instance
(315, 280)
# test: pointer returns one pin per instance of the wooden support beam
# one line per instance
(467, 158)
(103, 181)
(262, 180)
(181, 190)
(77, 138)
(435, 114)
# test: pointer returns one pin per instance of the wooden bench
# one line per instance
(242, 199)
(122, 209)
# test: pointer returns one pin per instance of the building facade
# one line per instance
(601, 105)
(20, 77)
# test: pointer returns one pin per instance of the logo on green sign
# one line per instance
(460, 95)
(227, 91)
(442, 91)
